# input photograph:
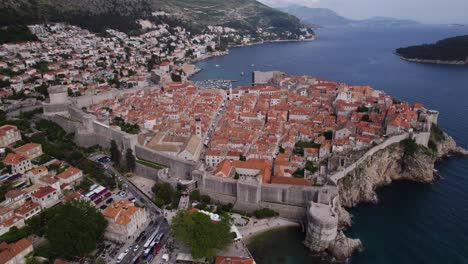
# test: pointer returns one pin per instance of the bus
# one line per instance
(151, 238)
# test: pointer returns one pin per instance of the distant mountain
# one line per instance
(97, 15)
(447, 51)
(317, 16)
(384, 21)
(326, 17)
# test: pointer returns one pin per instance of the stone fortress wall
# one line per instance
(421, 138)
(318, 205)
(88, 131)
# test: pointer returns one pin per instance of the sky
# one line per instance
(425, 11)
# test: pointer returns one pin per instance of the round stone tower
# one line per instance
(322, 226)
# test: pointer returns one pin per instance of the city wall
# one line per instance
(421, 138)
(180, 169)
(85, 101)
(289, 200)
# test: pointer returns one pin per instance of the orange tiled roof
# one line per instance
(121, 211)
(68, 173)
(43, 191)
(27, 147)
(13, 158)
(9, 251)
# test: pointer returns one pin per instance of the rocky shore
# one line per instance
(441, 62)
(387, 165)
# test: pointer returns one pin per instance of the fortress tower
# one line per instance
(198, 128)
(58, 102)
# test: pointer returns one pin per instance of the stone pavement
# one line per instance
(256, 226)
(143, 184)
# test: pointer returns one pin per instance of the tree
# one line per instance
(163, 191)
(203, 236)
(365, 118)
(130, 160)
(30, 259)
(328, 135)
(242, 158)
(75, 229)
(14, 234)
(159, 202)
(195, 195)
(176, 77)
(115, 152)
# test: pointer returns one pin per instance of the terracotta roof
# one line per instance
(38, 170)
(121, 211)
(68, 173)
(27, 147)
(43, 191)
(75, 195)
(13, 158)
(26, 207)
(6, 128)
(9, 251)
(13, 193)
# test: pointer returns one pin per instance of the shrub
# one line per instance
(265, 213)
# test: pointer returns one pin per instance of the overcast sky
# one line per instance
(426, 11)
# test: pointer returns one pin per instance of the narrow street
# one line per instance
(155, 216)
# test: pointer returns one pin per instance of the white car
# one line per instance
(135, 249)
(126, 251)
(122, 194)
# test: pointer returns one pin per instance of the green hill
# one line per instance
(97, 15)
(450, 49)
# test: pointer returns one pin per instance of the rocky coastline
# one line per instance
(387, 165)
(439, 62)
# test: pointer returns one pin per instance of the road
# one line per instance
(155, 215)
(211, 130)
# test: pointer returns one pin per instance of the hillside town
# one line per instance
(132, 98)
(88, 64)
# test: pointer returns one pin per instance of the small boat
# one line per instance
(217, 65)
(252, 65)
(242, 73)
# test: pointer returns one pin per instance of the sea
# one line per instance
(412, 222)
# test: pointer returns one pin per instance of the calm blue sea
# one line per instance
(413, 223)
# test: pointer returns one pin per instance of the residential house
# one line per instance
(70, 176)
(30, 150)
(15, 253)
(8, 135)
(18, 163)
(126, 221)
(46, 197)
(28, 210)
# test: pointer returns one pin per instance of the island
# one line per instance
(447, 51)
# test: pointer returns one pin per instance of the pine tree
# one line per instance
(115, 153)
(130, 158)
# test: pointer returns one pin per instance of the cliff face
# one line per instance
(393, 163)
(448, 146)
